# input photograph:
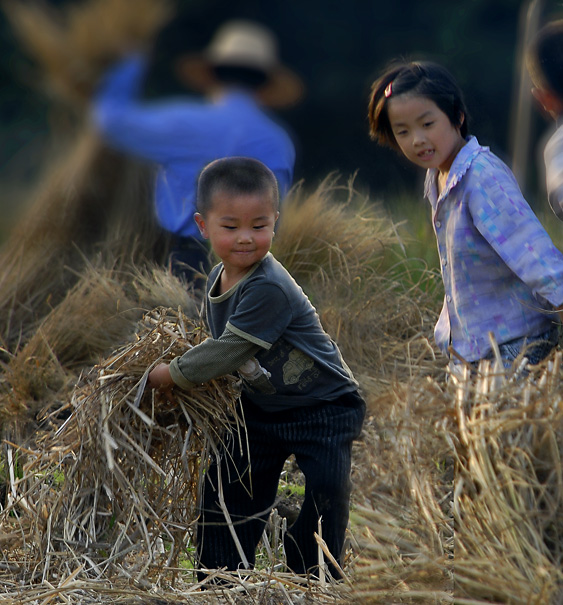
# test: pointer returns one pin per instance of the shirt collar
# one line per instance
(459, 167)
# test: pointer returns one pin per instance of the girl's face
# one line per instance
(424, 132)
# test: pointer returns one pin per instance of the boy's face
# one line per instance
(240, 228)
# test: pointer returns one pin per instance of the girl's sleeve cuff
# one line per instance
(177, 376)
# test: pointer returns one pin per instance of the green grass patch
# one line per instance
(291, 489)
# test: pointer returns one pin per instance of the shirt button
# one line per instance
(444, 261)
(438, 224)
(449, 298)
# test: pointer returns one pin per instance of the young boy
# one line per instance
(298, 395)
(544, 60)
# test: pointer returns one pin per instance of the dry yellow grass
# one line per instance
(74, 45)
(501, 436)
(100, 310)
(89, 200)
(464, 502)
(316, 238)
(122, 470)
(458, 484)
(92, 206)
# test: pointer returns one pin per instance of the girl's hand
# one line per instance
(159, 378)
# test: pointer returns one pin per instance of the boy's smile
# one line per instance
(240, 228)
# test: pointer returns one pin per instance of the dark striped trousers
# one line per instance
(321, 438)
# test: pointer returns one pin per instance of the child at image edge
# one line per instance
(298, 395)
(501, 272)
(544, 59)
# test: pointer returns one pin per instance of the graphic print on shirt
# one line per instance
(294, 367)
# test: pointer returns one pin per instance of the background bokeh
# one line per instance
(337, 47)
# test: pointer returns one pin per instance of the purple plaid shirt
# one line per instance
(500, 269)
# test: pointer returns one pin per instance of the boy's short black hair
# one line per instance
(238, 175)
(421, 78)
(544, 58)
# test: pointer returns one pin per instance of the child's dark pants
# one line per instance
(321, 438)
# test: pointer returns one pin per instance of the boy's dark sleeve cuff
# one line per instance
(177, 376)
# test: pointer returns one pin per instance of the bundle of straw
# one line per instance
(403, 487)
(94, 203)
(75, 44)
(92, 198)
(463, 499)
(103, 308)
(123, 470)
(508, 502)
(332, 232)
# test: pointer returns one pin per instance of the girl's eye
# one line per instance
(400, 133)
(428, 124)
(230, 227)
(259, 226)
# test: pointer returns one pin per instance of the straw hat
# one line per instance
(247, 44)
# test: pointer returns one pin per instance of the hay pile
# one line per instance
(509, 487)
(90, 200)
(74, 44)
(122, 471)
(463, 501)
(100, 310)
(457, 485)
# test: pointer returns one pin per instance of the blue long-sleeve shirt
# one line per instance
(501, 271)
(181, 136)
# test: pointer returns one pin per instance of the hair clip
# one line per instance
(388, 90)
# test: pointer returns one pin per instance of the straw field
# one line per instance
(457, 479)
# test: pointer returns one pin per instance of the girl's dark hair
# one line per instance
(544, 57)
(421, 78)
(236, 175)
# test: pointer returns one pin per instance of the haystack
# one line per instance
(100, 310)
(463, 502)
(122, 471)
(90, 199)
(74, 44)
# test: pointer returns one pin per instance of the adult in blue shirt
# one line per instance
(242, 79)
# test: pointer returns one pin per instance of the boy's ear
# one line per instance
(200, 221)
